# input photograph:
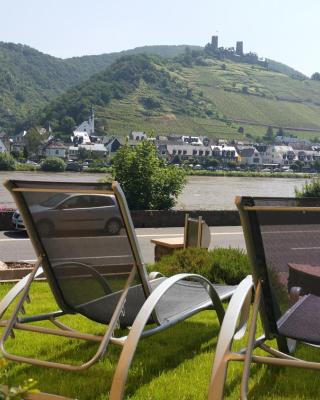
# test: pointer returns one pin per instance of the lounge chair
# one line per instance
(282, 238)
(86, 244)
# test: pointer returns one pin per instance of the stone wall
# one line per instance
(159, 219)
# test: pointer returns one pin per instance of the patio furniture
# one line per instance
(282, 238)
(97, 274)
(196, 234)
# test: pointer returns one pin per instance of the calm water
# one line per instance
(203, 193)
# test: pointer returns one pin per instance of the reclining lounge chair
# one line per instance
(283, 242)
(86, 245)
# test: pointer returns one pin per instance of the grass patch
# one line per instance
(175, 364)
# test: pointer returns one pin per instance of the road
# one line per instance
(16, 246)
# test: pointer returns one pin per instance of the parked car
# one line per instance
(74, 166)
(74, 212)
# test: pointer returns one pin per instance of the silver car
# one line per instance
(74, 212)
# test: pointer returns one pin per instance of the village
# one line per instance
(282, 153)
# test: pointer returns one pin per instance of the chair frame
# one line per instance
(137, 331)
(236, 321)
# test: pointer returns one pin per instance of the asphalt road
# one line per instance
(16, 246)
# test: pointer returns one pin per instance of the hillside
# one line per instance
(192, 94)
(30, 79)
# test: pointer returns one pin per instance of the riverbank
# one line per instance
(252, 174)
(191, 172)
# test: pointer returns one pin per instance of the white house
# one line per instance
(187, 150)
(82, 132)
(280, 155)
(19, 141)
(134, 135)
(56, 149)
(3, 148)
(225, 152)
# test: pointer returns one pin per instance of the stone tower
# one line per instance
(214, 42)
(239, 48)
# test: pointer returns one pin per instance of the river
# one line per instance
(201, 192)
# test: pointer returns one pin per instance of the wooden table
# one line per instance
(166, 246)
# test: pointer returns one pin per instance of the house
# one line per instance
(224, 152)
(112, 144)
(137, 136)
(3, 148)
(5, 142)
(81, 135)
(186, 150)
(54, 149)
(194, 140)
(248, 155)
(98, 149)
(19, 142)
(277, 155)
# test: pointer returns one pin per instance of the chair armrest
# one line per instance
(295, 293)
(155, 275)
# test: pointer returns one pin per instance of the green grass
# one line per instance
(175, 364)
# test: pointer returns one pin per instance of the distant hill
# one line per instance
(285, 69)
(190, 94)
(30, 79)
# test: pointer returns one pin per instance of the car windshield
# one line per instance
(54, 200)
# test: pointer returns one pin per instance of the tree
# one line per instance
(67, 124)
(315, 76)
(146, 182)
(268, 137)
(7, 162)
(33, 141)
(54, 164)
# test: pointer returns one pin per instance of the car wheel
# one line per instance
(45, 228)
(113, 227)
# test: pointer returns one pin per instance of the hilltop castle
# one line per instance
(231, 53)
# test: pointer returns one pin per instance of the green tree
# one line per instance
(7, 162)
(146, 182)
(268, 137)
(54, 164)
(33, 141)
(67, 124)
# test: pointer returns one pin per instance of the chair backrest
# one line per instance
(196, 232)
(283, 241)
(84, 234)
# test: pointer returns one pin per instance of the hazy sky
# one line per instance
(284, 30)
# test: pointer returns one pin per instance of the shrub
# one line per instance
(53, 164)
(220, 265)
(7, 162)
(145, 180)
(310, 189)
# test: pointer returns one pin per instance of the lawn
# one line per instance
(175, 364)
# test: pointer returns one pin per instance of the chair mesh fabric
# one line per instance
(291, 238)
(86, 246)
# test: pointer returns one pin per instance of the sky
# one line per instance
(287, 31)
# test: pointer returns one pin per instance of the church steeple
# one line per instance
(91, 120)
